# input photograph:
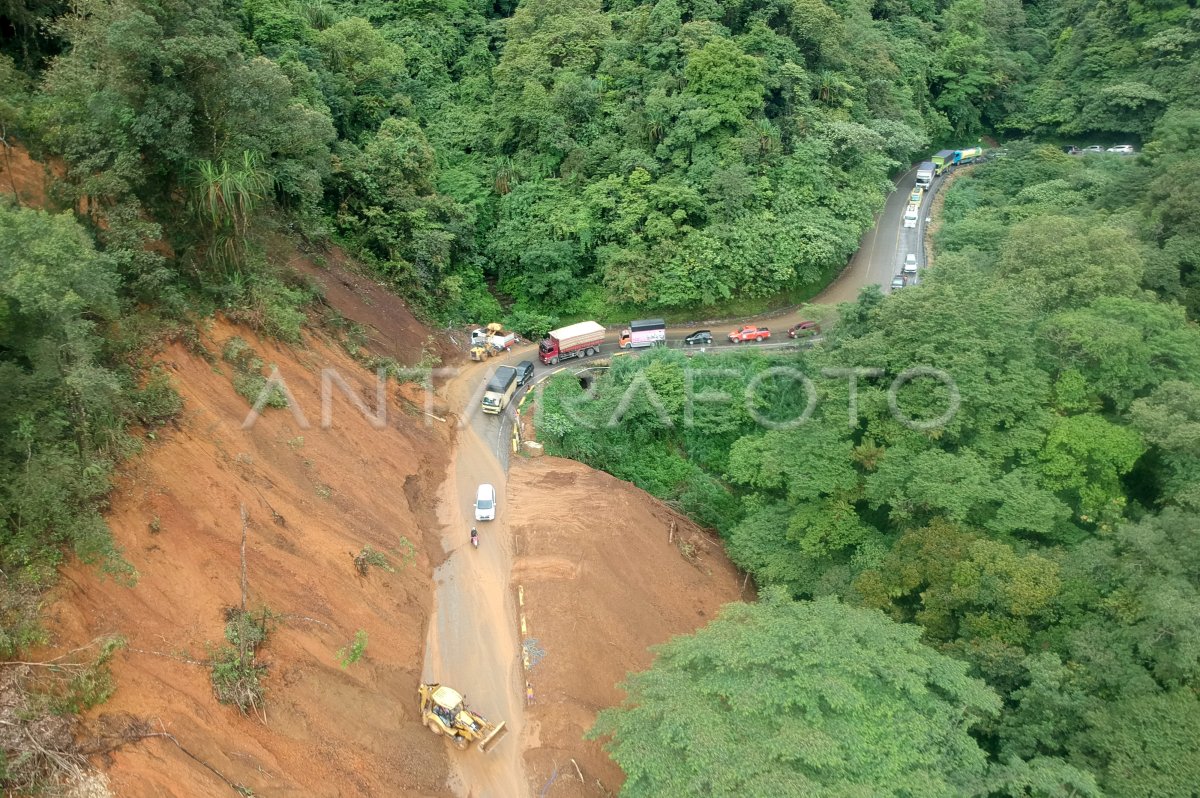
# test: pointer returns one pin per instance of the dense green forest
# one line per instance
(576, 158)
(556, 159)
(1045, 535)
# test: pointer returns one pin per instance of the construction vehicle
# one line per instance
(490, 341)
(494, 336)
(444, 711)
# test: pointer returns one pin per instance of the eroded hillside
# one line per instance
(316, 497)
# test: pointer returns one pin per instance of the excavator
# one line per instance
(444, 711)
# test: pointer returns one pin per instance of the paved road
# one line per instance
(879, 258)
(472, 642)
(881, 252)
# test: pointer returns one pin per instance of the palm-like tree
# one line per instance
(830, 86)
(225, 195)
(656, 125)
(768, 136)
(506, 176)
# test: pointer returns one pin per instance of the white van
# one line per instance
(910, 216)
(485, 503)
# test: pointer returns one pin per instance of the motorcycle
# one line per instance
(474, 538)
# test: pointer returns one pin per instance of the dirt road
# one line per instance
(472, 640)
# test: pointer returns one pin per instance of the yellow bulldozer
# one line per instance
(444, 711)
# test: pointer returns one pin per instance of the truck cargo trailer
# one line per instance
(967, 156)
(499, 390)
(925, 172)
(575, 340)
(942, 161)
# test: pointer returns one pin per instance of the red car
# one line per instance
(804, 329)
(749, 333)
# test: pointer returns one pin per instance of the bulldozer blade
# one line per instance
(493, 737)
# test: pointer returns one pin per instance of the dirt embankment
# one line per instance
(22, 177)
(600, 572)
(604, 572)
(316, 498)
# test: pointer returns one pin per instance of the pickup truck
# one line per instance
(749, 333)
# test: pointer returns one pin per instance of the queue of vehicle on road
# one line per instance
(1097, 149)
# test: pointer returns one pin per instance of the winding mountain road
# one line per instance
(472, 641)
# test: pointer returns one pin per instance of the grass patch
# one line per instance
(354, 651)
(236, 672)
(248, 379)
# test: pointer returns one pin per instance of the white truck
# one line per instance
(494, 336)
(925, 173)
(911, 214)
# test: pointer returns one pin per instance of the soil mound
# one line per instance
(602, 572)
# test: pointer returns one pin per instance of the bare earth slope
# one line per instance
(605, 572)
(316, 497)
(589, 554)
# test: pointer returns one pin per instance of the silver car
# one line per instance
(1122, 149)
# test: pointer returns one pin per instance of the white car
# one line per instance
(485, 503)
(1094, 148)
(910, 264)
(1122, 149)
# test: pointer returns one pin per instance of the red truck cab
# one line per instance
(575, 340)
(749, 333)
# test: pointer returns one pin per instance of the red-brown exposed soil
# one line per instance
(605, 572)
(602, 570)
(316, 497)
(392, 330)
(23, 177)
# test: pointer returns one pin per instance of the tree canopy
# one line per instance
(791, 698)
(1036, 521)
